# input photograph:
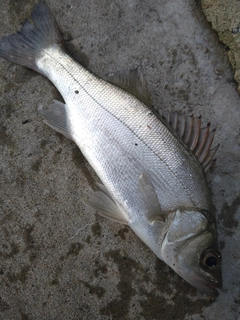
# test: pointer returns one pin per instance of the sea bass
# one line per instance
(151, 166)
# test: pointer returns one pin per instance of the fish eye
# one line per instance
(210, 259)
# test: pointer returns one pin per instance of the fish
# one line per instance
(151, 164)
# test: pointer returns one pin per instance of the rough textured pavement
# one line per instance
(59, 260)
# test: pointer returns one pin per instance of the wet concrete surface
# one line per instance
(58, 259)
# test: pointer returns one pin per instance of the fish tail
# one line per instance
(25, 46)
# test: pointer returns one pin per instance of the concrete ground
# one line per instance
(58, 259)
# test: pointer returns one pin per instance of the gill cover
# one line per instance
(190, 249)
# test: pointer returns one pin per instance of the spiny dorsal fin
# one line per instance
(197, 139)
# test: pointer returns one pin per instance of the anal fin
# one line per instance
(55, 116)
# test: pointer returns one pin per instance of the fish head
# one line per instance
(190, 248)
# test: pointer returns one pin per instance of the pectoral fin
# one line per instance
(134, 82)
(55, 116)
(151, 204)
(102, 202)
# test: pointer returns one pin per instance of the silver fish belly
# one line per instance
(151, 180)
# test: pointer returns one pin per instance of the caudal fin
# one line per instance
(26, 45)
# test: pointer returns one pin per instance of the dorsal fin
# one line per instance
(197, 139)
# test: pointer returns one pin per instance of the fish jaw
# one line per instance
(206, 281)
(210, 288)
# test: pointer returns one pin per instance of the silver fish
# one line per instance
(152, 167)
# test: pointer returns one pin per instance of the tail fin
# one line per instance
(25, 46)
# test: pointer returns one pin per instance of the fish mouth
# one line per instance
(208, 287)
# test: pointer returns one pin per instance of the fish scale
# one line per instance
(95, 99)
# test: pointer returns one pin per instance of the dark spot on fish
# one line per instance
(97, 290)
(36, 165)
(1, 272)
(96, 229)
(75, 248)
(227, 215)
(20, 276)
(76, 91)
(136, 144)
(149, 127)
(25, 121)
